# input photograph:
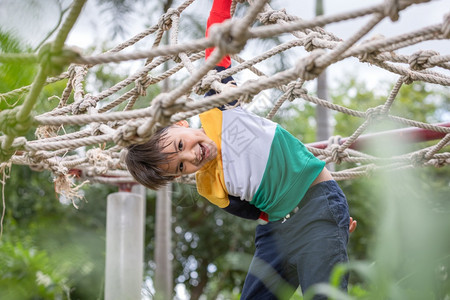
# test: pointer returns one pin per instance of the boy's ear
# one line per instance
(182, 123)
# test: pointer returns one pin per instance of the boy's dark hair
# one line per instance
(144, 161)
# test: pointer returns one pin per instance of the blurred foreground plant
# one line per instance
(27, 272)
(410, 255)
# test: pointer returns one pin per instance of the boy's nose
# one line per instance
(190, 156)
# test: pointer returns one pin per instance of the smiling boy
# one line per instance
(189, 150)
(253, 168)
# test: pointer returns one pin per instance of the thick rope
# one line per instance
(49, 150)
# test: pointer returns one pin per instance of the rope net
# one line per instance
(105, 131)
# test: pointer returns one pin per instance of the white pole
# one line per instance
(163, 249)
(124, 246)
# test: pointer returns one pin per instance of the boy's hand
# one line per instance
(353, 225)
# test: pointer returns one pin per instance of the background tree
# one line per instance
(55, 250)
(40, 232)
(322, 113)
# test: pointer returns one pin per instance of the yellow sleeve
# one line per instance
(210, 185)
(210, 179)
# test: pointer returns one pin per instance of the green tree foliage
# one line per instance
(26, 269)
(204, 236)
(48, 237)
(40, 233)
(418, 101)
(13, 76)
(17, 75)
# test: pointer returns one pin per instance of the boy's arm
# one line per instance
(244, 209)
(220, 12)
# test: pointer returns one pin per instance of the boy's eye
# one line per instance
(180, 148)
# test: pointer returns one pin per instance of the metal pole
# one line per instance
(322, 113)
(324, 129)
(405, 135)
(124, 246)
(163, 228)
(163, 249)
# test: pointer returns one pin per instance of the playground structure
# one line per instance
(53, 150)
(51, 147)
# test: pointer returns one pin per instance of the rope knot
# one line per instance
(337, 155)
(440, 162)
(165, 22)
(446, 26)
(408, 79)
(375, 113)
(309, 41)
(368, 57)
(128, 134)
(141, 85)
(99, 159)
(371, 54)
(228, 36)
(36, 157)
(307, 68)
(162, 109)
(272, 16)
(249, 92)
(95, 128)
(59, 170)
(176, 57)
(46, 131)
(419, 60)
(418, 159)
(53, 63)
(295, 90)
(82, 106)
(9, 124)
(391, 9)
(205, 83)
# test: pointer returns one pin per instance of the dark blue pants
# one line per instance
(302, 250)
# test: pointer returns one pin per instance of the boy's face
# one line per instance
(191, 149)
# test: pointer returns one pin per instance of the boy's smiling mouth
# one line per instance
(203, 153)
